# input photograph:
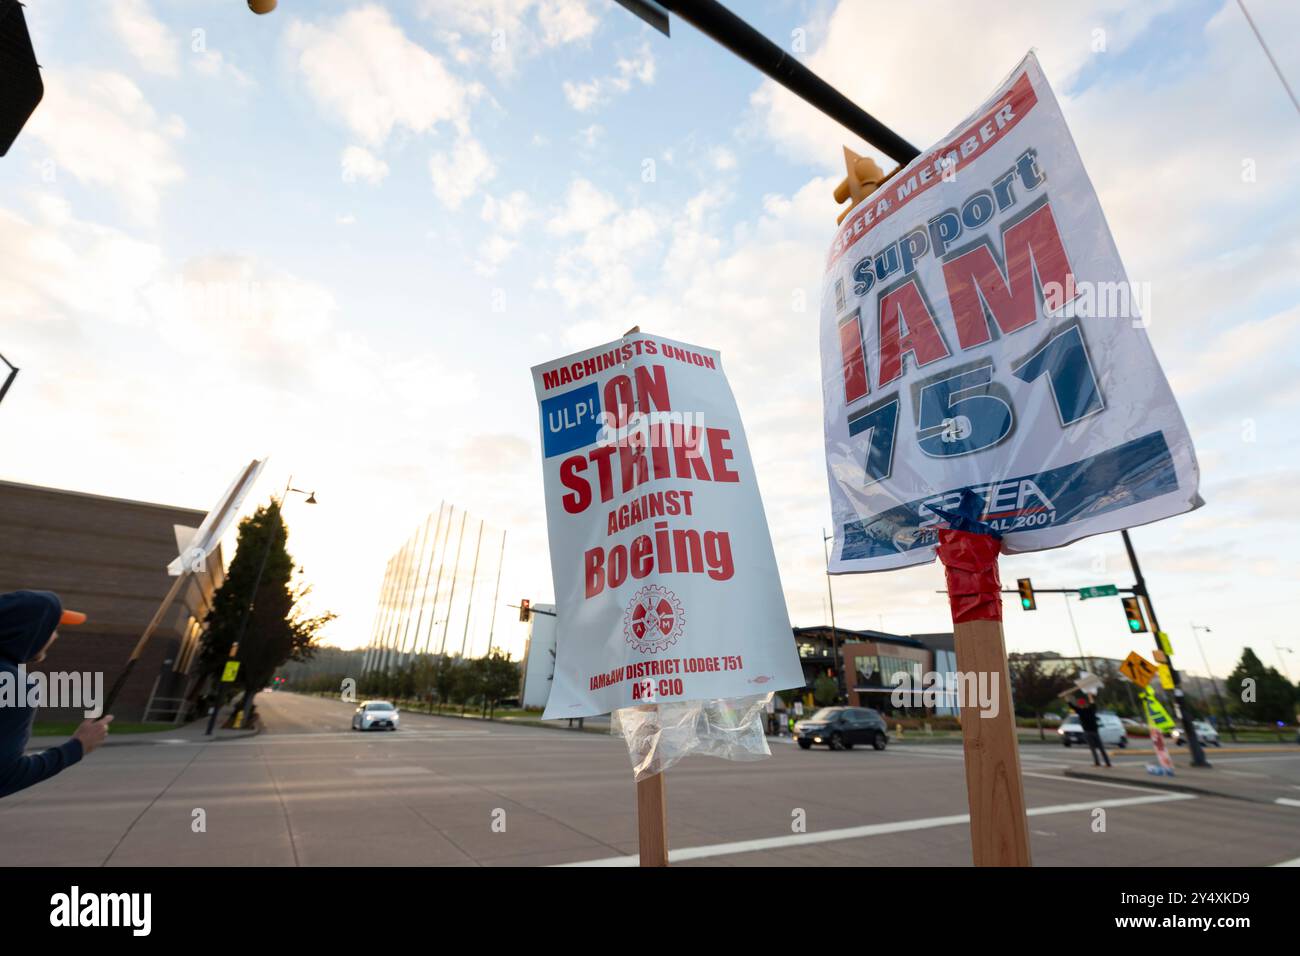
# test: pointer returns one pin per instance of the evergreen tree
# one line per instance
(268, 626)
(500, 678)
(1274, 697)
(1035, 688)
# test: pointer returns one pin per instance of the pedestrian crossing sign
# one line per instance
(1138, 669)
(230, 673)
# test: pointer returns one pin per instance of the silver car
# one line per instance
(1112, 731)
(1205, 732)
(375, 715)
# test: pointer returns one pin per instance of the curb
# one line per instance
(1177, 786)
(241, 734)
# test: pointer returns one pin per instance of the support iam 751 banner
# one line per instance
(978, 332)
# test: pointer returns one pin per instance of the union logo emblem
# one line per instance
(654, 619)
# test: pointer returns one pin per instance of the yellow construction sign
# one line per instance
(1166, 677)
(1138, 669)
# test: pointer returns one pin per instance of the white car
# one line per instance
(375, 715)
(1205, 733)
(1112, 731)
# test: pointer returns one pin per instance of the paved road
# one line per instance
(309, 792)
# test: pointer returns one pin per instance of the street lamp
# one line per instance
(840, 689)
(1223, 710)
(278, 507)
(1281, 660)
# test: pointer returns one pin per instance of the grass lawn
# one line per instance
(60, 728)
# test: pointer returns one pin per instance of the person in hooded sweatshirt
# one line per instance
(28, 622)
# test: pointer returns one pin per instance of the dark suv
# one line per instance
(840, 728)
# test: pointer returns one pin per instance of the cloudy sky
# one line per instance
(342, 233)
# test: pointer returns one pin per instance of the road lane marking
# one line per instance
(389, 771)
(873, 829)
(1096, 783)
(1287, 802)
(1295, 862)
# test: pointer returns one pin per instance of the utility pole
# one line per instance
(1278, 650)
(473, 576)
(428, 572)
(1213, 682)
(1140, 589)
(379, 614)
(496, 593)
(1077, 643)
(455, 570)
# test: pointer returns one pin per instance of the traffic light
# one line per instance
(1133, 611)
(862, 179)
(1026, 594)
(525, 609)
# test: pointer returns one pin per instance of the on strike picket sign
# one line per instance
(978, 331)
(666, 587)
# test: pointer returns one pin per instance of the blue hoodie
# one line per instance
(27, 619)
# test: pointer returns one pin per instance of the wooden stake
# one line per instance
(652, 820)
(651, 799)
(152, 626)
(999, 828)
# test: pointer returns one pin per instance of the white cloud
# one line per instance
(493, 251)
(564, 21)
(99, 128)
(58, 268)
(598, 267)
(723, 159)
(509, 213)
(595, 92)
(211, 63)
(459, 173)
(923, 82)
(359, 163)
(267, 346)
(362, 69)
(585, 208)
(149, 41)
(510, 31)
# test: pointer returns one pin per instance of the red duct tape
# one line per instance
(970, 562)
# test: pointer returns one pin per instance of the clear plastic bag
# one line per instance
(659, 735)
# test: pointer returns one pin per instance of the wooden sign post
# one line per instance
(999, 826)
(652, 820)
(651, 797)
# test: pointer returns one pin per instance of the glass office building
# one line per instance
(440, 592)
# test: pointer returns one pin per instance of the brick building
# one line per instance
(108, 558)
(868, 660)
